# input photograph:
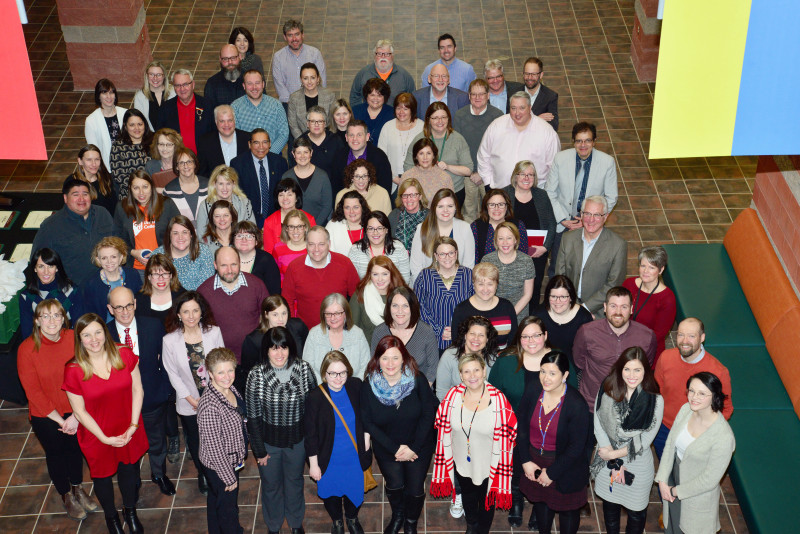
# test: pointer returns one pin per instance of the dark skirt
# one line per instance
(554, 499)
(674, 507)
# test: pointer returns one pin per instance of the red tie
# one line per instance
(128, 340)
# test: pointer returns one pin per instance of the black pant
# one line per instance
(62, 453)
(408, 475)
(127, 479)
(333, 505)
(172, 417)
(568, 522)
(611, 515)
(474, 501)
(538, 265)
(155, 425)
(461, 196)
(222, 509)
(192, 433)
(551, 271)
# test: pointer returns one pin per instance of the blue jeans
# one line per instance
(661, 440)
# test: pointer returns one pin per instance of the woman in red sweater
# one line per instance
(40, 361)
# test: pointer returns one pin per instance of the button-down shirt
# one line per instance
(286, 69)
(597, 347)
(310, 263)
(268, 114)
(133, 332)
(461, 74)
(228, 149)
(241, 281)
(588, 246)
(503, 145)
(258, 171)
(499, 100)
(443, 99)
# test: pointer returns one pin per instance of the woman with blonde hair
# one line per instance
(155, 91)
(224, 185)
(339, 117)
(294, 231)
(110, 255)
(92, 170)
(166, 142)
(105, 391)
(411, 210)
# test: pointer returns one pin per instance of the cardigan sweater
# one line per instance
(544, 210)
(317, 197)
(340, 239)
(505, 377)
(703, 465)
(462, 233)
(123, 224)
(176, 362)
(70, 298)
(437, 302)
(265, 268)
(94, 293)
(570, 470)
(222, 434)
(320, 424)
(242, 205)
(273, 226)
(42, 373)
(377, 198)
(453, 150)
(423, 347)
(399, 257)
(498, 491)
(173, 190)
(354, 346)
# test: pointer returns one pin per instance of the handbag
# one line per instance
(369, 480)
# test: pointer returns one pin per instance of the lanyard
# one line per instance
(468, 434)
(547, 427)
(636, 301)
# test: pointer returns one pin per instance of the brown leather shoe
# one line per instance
(86, 501)
(74, 510)
(661, 521)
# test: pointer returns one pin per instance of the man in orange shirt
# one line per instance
(674, 368)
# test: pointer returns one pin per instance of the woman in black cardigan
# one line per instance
(555, 456)
(334, 461)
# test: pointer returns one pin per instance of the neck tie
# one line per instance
(580, 186)
(128, 340)
(266, 200)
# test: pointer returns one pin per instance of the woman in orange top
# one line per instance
(40, 361)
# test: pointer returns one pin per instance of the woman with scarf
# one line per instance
(626, 420)
(476, 432)
(398, 408)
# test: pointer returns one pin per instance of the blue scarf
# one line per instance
(392, 395)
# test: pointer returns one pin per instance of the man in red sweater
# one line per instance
(312, 277)
(674, 368)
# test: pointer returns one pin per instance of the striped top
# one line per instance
(437, 303)
(503, 317)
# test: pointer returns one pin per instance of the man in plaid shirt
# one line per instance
(257, 110)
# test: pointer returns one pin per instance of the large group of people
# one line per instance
(380, 297)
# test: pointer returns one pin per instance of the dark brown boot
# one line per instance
(74, 510)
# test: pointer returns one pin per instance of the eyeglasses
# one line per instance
(375, 229)
(538, 336)
(440, 76)
(439, 119)
(531, 74)
(496, 205)
(182, 85)
(315, 123)
(560, 298)
(341, 374)
(166, 145)
(228, 59)
(245, 237)
(583, 141)
(51, 316)
(493, 78)
(451, 254)
(360, 176)
(409, 196)
(702, 395)
(295, 227)
(155, 75)
(478, 95)
(526, 175)
(186, 163)
(333, 315)
(595, 216)
(127, 307)
(161, 275)
(383, 54)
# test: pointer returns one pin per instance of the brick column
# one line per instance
(645, 40)
(105, 39)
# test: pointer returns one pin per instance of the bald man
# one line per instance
(225, 86)
(440, 90)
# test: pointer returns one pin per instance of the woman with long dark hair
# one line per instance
(192, 259)
(91, 169)
(45, 278)
(131, 151)
(347, 223)
(103, 125)
(378, 241)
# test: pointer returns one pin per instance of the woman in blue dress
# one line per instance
(336, 462)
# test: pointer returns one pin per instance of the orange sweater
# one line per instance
(672, 372)
(42, 373)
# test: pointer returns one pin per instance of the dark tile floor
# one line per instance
(585, 46)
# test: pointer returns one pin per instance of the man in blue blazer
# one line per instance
(440, 90)
(248, 166)
(144, 336)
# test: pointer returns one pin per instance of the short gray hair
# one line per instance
(655, 255)
(184, 72)
(522, 94)
(493, 64)
(317, 109)
(600, 199)
(223, 107)
(383, 43)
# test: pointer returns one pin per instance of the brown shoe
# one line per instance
(86, 502)
(74, 510)
(661, 521)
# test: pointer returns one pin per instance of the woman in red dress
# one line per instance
(104, 388)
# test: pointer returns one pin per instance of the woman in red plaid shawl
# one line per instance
(476, 432)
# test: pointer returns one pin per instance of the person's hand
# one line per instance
(446, 334)
(405, 454)
(572, 224)
(543, 479)
(536, 252)
(129, 433)
(397, 179)
(116, 441)
(263, 461)
(232, 486)
(192, 401)
(476, 178)
(666, 491)
(70, 426)
(530, 470)
(442, 165)
(619, 475)
(315, 472)
(605, 453)
(547, 116)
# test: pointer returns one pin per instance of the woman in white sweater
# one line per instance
(104, 124)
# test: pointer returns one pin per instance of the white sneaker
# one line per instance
(457, 508)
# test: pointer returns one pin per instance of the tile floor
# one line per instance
(585, 46)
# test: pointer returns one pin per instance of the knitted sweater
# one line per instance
(42, 373)
(69, 298)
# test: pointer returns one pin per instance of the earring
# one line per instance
(564, 381)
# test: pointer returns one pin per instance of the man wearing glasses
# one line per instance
(544, 101)
(383, 67)
(593, 257)
(439, 90)
(189, 114)
(500, 90)
(226, 85)
(577, 174)
(472, 121)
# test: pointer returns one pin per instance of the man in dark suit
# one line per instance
(259, 172)
(359, 147)
(545, 100)
(187, 104)
(144, 335)
(222, 145)
(439, 91)
(500, 91)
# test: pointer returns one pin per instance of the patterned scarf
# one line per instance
(392, 395)
(501, 465)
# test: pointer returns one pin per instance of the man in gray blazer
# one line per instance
(593, 257)
(439, 91)
(578, 173)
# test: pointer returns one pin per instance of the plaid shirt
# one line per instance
(222, 434)
(269, 114)
(240, 282)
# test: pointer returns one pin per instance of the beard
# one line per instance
(233, 75)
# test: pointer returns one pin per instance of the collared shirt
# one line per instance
(241, 281)
(133, 332)
(699, 357)
(84, 221)
(499, 100)
(587, 165)
(587, 249)
(309, 263)
(228, 149)
(503, 145)
(443, 99)
(461, 73)
(268, 114)
(352, 157)
(534, 94)
(472, 110)
(286, 69)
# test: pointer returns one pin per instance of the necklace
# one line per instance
(468, 434)
(251, 260)
(547, 427)
(636, 300)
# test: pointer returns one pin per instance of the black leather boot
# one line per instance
(517, 504)
(132, 520)
(636, 522)
(395, 498)
(413, 510)
(611, 515)
(354, 526)
(337, 527)
(533, 525)
(202, 484)
(114, 525)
